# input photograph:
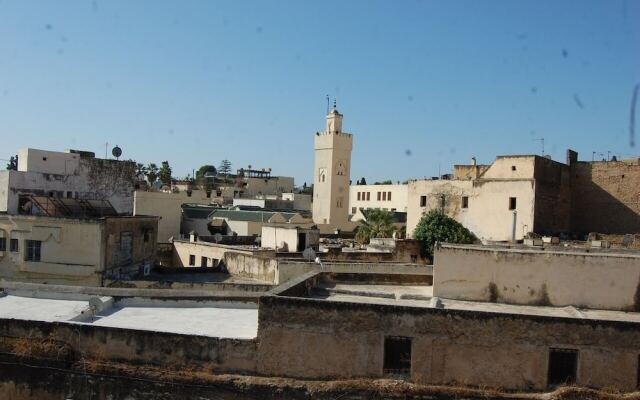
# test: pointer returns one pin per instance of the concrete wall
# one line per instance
(398, 201)
(552, 209)
(183, 249)
(518, 276)
(318, 339)
(137, 346)
(289, 269)
(487, 215)
(251, 266)
(144, 244)
(72, 250)
(167, 207)
(605, 196)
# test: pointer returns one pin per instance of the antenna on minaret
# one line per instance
(328, 104)
(334, 103)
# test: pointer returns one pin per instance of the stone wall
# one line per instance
(249, 266)
(143, 232)
(605, 281)
(318, 339)
(605, 196)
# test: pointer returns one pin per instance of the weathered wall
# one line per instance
(167, 207)
(288, 270)
(314, 339)
(552, 209)
(250, 266)
(71, 251)
(605, 196)
(143, 232)
(137, 346)
(213, 251)
(518, 276)
(487, 215)
(398, 201)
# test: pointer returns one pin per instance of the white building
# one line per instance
(71, 174)
(383, 197)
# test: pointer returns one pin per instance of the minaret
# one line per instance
(332, 173)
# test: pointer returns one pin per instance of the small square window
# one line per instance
(465, 202)
(203, 261)
(513, 167)
(192, 260)
(397, 355)
(32, 250)
(13, 244)
(512, 203)
(563, 364)
(423, 201)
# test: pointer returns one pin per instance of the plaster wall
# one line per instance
(398, 202)
(346, 340)
(288, 270)
(488, 215)
(71, 250)
(250, 266)
(48, 162)
(275, 237)
(516, 276)
(167, 207)
(213, 251)
(143, 233)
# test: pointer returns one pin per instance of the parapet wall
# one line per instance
(534, 277)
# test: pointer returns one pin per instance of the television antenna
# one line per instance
(541, 140)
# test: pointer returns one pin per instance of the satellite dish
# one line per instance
(309, 254)
(116, 151)
(217, 237)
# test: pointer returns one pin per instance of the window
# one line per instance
(379, 195)
(393, 210)
(397, 355)
(203, 261)
(358, 196)
(384, 196)
(423, 201)
(353, 210)
(13, 244)
(368, 196)
(146, 235)
(192, 260)
(126, 247)
(512, 203)
(562, 366)
(208, 192)
(3, 244)
(33, 250)
(465, 202)
(513, 167)
(389, 196)
(69, 195)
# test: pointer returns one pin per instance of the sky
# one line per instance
(423, 85)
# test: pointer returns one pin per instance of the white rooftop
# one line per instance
(37, 309)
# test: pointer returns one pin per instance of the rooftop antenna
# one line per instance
(541, 140)
(106, 146)
(334, 103)
(328, 108)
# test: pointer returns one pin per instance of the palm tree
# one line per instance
(379, 224)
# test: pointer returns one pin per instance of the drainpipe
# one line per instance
(513, 226)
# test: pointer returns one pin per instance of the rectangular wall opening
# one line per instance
(563, 366)
(423, 201)
(465, 202)
(512, 203)
(397, 355)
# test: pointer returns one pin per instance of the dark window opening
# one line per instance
(512, 203)
(146, 236)
(379, 195)
(189, 193)
(368, 196)
(44, 158)
(358, 196)
(192, 260)
(513, 167)
(388, 196)
(208, 194)
(69, 195)
(33, 250)
(3, 244)
(423, 201)
(203, 261)
(414, 258)
(353, 210)
(465, 202)
(13, 244)
(563, 365)
(397, 355)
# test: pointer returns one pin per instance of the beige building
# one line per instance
(73, 251)
(499, 202)
(332, 174)
(383, 197)
(284, 237)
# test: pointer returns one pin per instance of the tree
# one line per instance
(225, 167)
(387, 182)
(152, 173)
(436, 226)
(13, 163)
(141, 170)
(165, 173)
(363, 181)
(205, 169)
(379, 224)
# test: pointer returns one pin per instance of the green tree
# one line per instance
(13, 163)
(152, 173)
(379, 224)
(141, 170)
(435, 226)
(225, 167)
(202, 171)
(164, 174)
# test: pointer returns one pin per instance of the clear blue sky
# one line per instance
(194, 82)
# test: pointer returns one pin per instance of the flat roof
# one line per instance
(39, 309)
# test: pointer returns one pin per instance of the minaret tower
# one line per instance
(332, 173)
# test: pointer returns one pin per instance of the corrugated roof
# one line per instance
(195, 211)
